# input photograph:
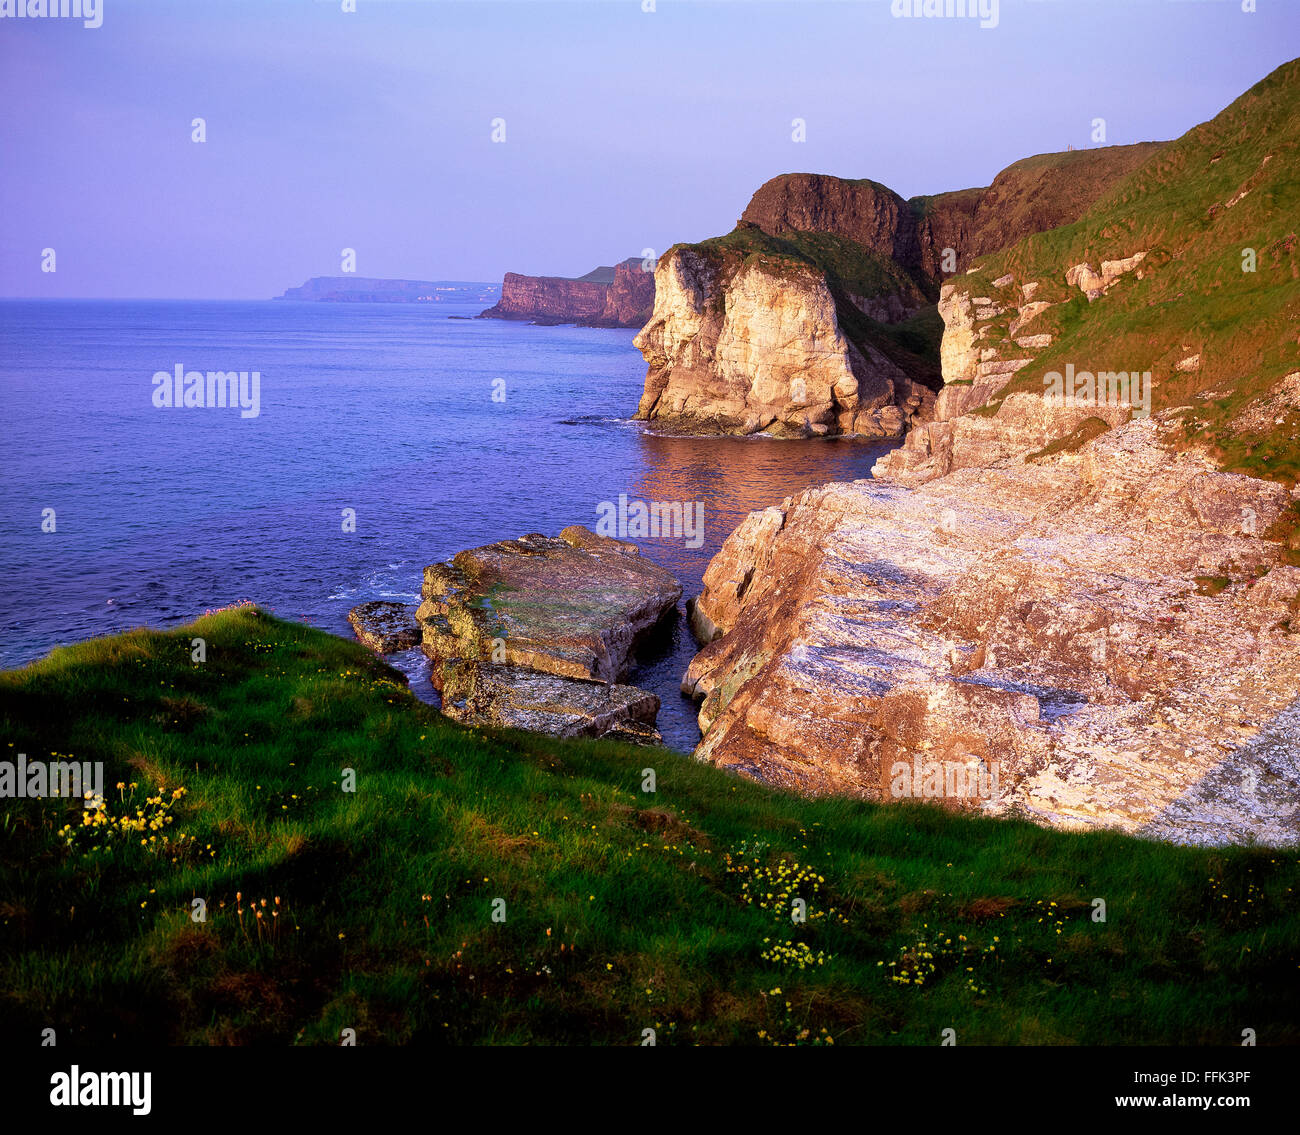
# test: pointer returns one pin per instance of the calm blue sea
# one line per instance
(161, 514)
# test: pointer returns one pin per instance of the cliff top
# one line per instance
(604, 274)
(1214, 310)
(1033, 194)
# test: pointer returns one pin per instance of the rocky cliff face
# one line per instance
(831, 250)
(1034, 195)
(630, 296)
(743, 344)
(1049, 622)
(1083, 610)
(992, 331)
(863, 211)
(1176, 291)
(620, 296)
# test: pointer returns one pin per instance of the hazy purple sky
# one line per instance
(625, 129)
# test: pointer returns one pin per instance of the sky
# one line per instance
(624, 129)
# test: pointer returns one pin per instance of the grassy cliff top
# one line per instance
(1222, 198)
(846, 263)
(623, 910)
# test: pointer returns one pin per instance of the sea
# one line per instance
(386, 437)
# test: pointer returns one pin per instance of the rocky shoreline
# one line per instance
(1070, 605)
(1047, 621)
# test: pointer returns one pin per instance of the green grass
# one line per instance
(621, 911)
(1212, 585)
(846, 264)
(921, 335)
(1195, 298)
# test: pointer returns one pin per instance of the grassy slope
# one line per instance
(1032, 195)
(845, 262)
(621, 911)
(1195, 298)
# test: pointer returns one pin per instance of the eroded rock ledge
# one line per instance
(1106, 628)
(385, 627)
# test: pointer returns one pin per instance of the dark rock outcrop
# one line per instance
(1033, 195)
(866, 212)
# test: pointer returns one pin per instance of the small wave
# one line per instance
(381, 584)
(593, 420)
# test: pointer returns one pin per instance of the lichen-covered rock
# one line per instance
(385, 627)
(571, 607)
(516, 698)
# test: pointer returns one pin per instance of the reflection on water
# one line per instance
(732, 477)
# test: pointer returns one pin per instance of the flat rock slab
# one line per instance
(572, 605)
(385, 627)
(509, 696)
(538, 633)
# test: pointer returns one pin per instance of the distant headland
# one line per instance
(365, 289)
(620, 295)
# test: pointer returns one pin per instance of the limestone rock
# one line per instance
(516, 698)
(1095, 284)
(745, 347)
(1042, 620)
